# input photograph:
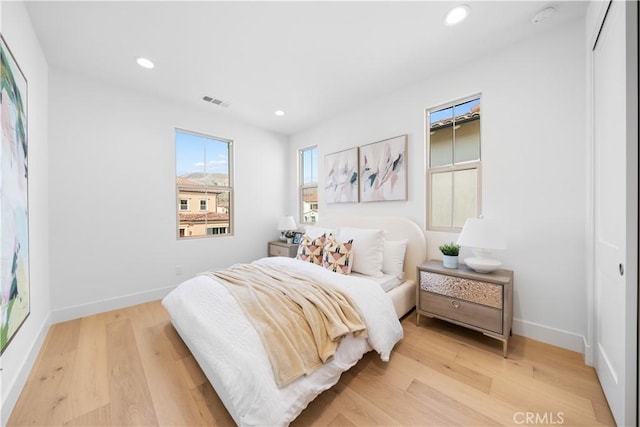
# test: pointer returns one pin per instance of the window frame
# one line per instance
(453, 167)
(209, 188)
(301, 184)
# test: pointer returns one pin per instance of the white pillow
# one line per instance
(314, 231)
(367, 249)
(393, 258)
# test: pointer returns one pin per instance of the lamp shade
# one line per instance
(481, 233)
(287, 223)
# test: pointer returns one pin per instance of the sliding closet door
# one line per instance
(615, 269)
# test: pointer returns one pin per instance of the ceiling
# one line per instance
(309, 59)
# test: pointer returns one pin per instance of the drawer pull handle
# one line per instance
(455, 304)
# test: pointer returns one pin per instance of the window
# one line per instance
(216, 230)
(203, 173)
(309, 185)
(453, 172)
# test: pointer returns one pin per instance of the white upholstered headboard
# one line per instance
(396, 228)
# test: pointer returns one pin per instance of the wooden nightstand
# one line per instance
(480, 301)
(280, 248)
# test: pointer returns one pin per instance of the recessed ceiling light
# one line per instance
(456, 15)
(279, 113)
(144, 62)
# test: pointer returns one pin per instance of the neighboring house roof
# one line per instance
(209, 216)
(201, 190)
(313, 197)
(467, 117)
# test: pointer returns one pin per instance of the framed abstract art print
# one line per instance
(383, 170)
(14, 214)
(341, 176)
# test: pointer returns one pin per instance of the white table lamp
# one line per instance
(483, 236)
(286, 223)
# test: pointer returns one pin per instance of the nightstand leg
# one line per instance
(417, 319)
(504, 349)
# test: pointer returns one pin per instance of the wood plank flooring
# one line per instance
(129, 367)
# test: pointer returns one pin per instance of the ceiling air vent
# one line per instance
(215, 101)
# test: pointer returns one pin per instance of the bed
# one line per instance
(230, 352)
(396, 228)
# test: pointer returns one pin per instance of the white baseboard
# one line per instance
(549, 335)
(84, 310)
(23, 373)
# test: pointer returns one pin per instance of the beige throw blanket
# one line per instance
(299, 320)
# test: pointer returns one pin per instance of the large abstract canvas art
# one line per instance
(341, 176)
(14, 213)
(383, 170)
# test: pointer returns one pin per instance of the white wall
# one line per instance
(533, 176)
(113, 200)
(102, 197)
(19, 356)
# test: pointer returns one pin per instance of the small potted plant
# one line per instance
(450, 255)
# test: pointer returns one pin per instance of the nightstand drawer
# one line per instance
(483, 293)
(462, 311)
(278, 251)
(278, 248)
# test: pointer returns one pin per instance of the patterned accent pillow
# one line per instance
(338, 256)
(310, 249)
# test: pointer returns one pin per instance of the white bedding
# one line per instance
(230, 352)
(386, 282)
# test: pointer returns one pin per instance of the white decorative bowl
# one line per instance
(482, 265)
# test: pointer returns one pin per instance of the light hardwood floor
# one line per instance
(130, 367)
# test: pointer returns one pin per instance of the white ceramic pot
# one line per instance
(450, 261)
